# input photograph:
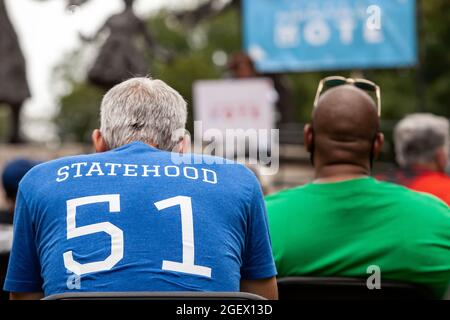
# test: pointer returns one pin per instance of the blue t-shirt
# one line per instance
(132, 220)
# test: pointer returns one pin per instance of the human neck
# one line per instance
(426, 167)
(340, 172)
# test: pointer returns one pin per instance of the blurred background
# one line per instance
(183, 41)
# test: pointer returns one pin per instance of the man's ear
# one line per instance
(308, 135)
(378, 145)
(441, 160)
(98, 142)
(185, 144)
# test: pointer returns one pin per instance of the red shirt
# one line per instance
(422, 180)
(435, 183)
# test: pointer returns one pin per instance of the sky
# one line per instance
(47, 32)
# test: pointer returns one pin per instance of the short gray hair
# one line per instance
(418, 137)
(142, 109)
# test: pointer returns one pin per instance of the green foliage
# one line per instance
(79, 113)
(4, 122)
(436, 67)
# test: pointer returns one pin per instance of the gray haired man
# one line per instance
(422, 143)
(129, 219)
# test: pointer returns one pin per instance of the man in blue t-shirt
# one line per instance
(136, 217)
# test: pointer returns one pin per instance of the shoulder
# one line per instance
(408, 195)
(222, 165)
(433, 181)
(418, 204)
(45, 172)
(52, 164)
(236, 177)
(285, 195)
(282, 204)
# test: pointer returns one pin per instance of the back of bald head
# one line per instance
(345, 124)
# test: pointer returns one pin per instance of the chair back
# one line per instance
(309, 288)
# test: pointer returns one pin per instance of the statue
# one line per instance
(14, 88)
(120, 58)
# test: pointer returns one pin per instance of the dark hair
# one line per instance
(13, 173)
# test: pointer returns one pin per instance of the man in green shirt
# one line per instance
(346, 221)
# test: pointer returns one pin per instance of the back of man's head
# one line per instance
(422, 139)
(345, 129)
(13, 173)
(142, 109)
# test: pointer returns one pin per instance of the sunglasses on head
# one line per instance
(363, 84)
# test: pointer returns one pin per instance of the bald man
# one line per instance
(345, 221)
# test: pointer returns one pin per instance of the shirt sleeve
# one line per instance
(24, 272)
(258, 262)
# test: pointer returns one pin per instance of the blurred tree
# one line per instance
(206, 9)
(78, 100)
(214, 34)
(14, 89)
(194, 60)
(79, 113)
(436, 57)
(4, 123)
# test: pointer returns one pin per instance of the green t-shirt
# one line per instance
(340, 229)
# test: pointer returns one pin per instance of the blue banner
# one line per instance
(309, 35)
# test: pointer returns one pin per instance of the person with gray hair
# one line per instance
(422, 143)
(130, 218)
(143, 110)
(423, 139)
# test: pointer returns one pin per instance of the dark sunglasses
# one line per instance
(363, 84)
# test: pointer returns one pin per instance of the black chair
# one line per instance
(155, 296)
(308, 288)
(4, 257)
